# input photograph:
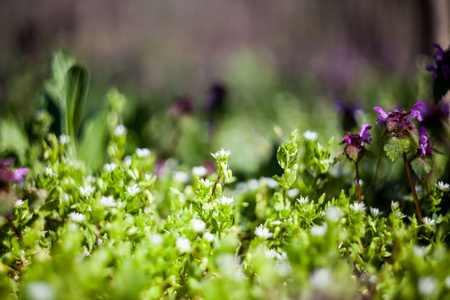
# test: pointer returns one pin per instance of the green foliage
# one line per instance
(422, 166)
(394, 147)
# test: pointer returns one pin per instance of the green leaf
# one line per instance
(422, 166)
(395, 146)
(77, 85)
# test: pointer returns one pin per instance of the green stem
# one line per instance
(357, 182)
(215, 184)
(14, 228)
(413, 189)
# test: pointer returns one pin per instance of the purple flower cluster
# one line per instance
(442, 60)
(425, 148)
(8, 176)
(354, 148)
(398, 121)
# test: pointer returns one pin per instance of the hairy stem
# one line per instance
(215, 184)
(357, 182)
(413, 189)
(14, 228)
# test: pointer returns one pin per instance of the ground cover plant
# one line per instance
(89, 216)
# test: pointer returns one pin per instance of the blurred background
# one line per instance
(202, 75)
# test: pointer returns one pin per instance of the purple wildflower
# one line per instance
(354, 148)
(348, 112)
(398, 122)
(425, 148)
(8, 176)
(442, 60)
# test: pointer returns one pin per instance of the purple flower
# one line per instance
(354, 148)
(442, 60)
(398, 122)
(182, 106)
(425, 148)
(348, 112)
(8, 176)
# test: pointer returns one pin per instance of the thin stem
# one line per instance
(357, 182)
(215, 184)
(14, 228)
(413, 189)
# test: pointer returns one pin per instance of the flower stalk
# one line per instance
(357, 182)
(413, 189)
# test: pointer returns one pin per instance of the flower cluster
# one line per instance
(8, 176)
(399, 121)
(354, 143)
(425, 148)
(442, 60)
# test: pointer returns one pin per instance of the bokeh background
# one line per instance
(201, 75)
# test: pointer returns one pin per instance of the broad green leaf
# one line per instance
(422, 166)
(395, 146)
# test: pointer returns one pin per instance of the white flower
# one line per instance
(199, 171)
(39, 290)
(128, 160)
(50, 172)
(419, 251)
(263, 232)
(147, 176)
(293, 192)
(394, 205)
(269, 182)
(318, 230)
(375, 211)
(226, 200)
(208, 236)
(64, 139)
(19, 202)
(253, 184)
(90, 179)
(271, 253)
(221, 154)
(110, 167)
(358, 207)
(180, 176)
(447, 282)
(120, 130)
(86, 191)
(310, 135)
(443, 186)
(143, 152)
(156, 239)
(184, 245)
(77, 217)
(198, 225)
(361, 183)
(205, 182)
(321, 278)
(303, 200)
(108, 201)
(427, 286)
(334, 213)
(133, 190)
(429, 221)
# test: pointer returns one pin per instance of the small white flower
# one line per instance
(361, 183)
(394, 205)
(205, 182)
(180, 176)
(19, 202)
(39, 290)
(120, 130)
(198, 225)
(133, 190)
(401, 215)
(184, 245)
(271, 253)
(77, 217)
(110, 167)
(221, 154)
(310, 135)
(143, 152)
(321, 278)
(443, 186)
(208, 236)
(358, 207)
(263, 232)
(40, 114)
(269, 182)
(375, 211)
(128, 160)
(64, 139)
(50, 172)
(318, 230)
(293, 192)
(428, 221)
(226, 200)
(199, 171)
(108, 201)
(334, 213)
(253, 184)
(90, 179)
(303, 200)
(427, 286)
(86, 191)
(147, 176)
(419, 251)
(156, 239)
